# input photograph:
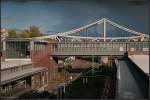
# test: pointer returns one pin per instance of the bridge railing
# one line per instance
(93, 47)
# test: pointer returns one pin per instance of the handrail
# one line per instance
(96, 42)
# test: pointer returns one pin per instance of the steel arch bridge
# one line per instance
(75, 35)
(72, 43)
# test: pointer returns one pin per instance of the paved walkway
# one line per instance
(20, 74)
(127, 86)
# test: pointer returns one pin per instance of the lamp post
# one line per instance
(92, 64)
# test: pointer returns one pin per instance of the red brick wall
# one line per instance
(42, 59)
(3, 56)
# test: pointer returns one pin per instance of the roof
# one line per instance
(25, 39)
(20, 74)
(14, 63)
(142, 61)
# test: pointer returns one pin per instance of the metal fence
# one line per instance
(96, 48)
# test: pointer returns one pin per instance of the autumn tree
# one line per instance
(25, 34)
(12, 33)
(34, 31)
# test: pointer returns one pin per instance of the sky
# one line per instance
(64, 15)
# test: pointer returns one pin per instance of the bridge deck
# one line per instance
(83, 53)
(96, 48)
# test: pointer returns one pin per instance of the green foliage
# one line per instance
(34, 31)
(25, 34)
(12, 34)
(69, 61)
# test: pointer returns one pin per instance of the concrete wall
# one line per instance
(141, 78)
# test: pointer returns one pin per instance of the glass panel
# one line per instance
(17, 49)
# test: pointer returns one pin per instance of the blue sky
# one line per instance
(64, 15)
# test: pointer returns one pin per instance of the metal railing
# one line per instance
(96, 48)
(14, 91)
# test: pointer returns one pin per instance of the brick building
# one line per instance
(25, 65)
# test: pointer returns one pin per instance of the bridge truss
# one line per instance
(75, 35)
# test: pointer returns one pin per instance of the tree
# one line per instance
(12, 34)
(34, 31)
(25, 34)
(68, 62)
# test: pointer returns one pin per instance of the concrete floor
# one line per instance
(127, 86)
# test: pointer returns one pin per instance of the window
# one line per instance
(38, 46)
(17, 49)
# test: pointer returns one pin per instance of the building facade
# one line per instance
(25, 65)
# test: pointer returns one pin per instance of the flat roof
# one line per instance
(14, 63)
(142, 61)
(20, 74)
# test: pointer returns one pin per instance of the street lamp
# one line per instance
(92, 64)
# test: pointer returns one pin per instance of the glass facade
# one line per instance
(39, 46)
(17, 49)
